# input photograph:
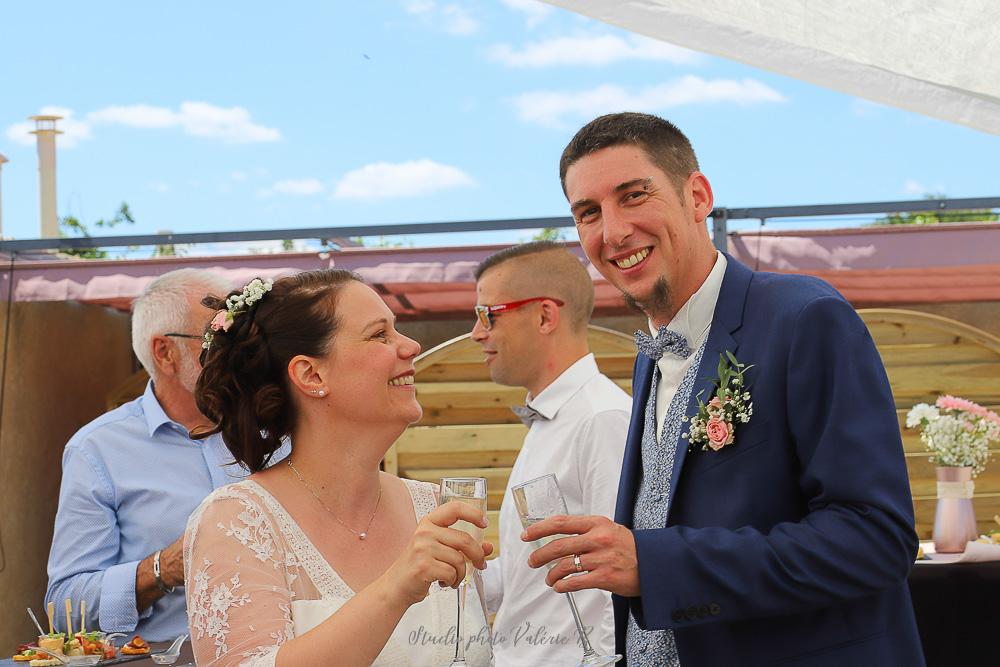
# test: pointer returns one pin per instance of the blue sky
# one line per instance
(228, 116)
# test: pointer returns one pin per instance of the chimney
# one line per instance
(2, 160)
(45, 130)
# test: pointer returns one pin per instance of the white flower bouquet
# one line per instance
(957, 432)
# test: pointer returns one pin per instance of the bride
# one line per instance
(321, 558)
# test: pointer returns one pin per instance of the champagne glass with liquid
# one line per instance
(538, 499)
(471, 491)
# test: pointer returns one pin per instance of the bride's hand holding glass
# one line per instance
(437, 552)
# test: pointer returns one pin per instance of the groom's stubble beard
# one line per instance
(660, 301)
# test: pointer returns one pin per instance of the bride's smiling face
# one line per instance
(370, 364)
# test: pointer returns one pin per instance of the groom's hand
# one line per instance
(606, 551)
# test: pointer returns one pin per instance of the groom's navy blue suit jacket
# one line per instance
(792, 545)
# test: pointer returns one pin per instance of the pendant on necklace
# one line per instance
(362, 536)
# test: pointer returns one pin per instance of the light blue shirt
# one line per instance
(131, 478)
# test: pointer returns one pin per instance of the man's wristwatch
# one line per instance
(156, 573)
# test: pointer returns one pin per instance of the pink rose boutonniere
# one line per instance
(714, 427)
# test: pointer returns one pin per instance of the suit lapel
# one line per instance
(642, 376)
(722, 336)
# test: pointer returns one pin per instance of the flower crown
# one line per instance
(238, 304)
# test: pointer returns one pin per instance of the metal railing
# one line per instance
(720, 220)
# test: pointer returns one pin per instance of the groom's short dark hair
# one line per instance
(661, 141)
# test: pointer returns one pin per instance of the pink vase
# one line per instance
(954, 520)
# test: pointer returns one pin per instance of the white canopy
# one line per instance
(934, 57)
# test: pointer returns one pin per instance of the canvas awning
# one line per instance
(888, 265)
(940, 59)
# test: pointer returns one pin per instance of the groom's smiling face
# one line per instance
(642, 230)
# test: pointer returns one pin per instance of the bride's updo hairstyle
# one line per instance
(243, 387)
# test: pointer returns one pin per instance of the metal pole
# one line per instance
(720, 231)
(3, 159)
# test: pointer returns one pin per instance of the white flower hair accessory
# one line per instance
(238, 304)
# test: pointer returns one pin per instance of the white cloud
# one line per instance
(238, 176)
(159, 186)
(535, 12)
(73, 131)
(865, 108)
(555, 109)
(136, 115)
(301, 187)
(458, 21)
(420, 7)
(406, 179)
(452, 18)
(919, 190)
(596, 50)
(198, 119)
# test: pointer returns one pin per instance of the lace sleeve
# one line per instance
(238, 577)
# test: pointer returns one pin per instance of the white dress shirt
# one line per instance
(582, 442)
(692, 321)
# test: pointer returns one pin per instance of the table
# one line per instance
(187, 656)
(958, 612)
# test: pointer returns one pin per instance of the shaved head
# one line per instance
(544, 268)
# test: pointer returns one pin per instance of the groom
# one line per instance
(769, 522)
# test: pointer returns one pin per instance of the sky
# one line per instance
(225, 116)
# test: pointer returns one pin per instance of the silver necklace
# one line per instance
(363, 534)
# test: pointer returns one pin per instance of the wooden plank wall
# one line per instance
(926, 356)
(468, 428)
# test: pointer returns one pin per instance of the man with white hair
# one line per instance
(133, 476)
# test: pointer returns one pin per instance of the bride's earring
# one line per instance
(319, 392)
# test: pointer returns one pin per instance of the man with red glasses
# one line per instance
(534, 303)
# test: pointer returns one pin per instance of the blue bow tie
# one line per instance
(666, 341)
(528, 414)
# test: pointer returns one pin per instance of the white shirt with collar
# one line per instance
(692, 321)
(581, 441)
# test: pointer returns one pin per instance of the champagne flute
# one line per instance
(538, 499)
(470, 491)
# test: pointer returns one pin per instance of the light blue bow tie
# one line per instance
(528, 414)
(666, 341)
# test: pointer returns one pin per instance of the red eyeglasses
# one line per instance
(485, 314)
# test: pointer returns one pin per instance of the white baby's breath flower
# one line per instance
(955, 437)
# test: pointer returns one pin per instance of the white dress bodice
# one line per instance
(255, 580)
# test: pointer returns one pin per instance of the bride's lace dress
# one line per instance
(255, 581)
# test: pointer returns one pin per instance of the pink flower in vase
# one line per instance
(719, 433)
(947, 402)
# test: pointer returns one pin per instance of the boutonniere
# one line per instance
(714, 427)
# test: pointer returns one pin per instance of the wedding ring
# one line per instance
(577, 564)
